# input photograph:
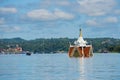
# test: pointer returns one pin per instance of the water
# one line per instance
(59, 67)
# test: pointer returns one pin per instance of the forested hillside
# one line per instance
(55, 45)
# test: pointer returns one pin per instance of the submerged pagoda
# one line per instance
(80, 48)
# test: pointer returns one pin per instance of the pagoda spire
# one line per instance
(80, 32)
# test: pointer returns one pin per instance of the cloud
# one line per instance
(62, 3)
(54, 3)
(8, 10)
(101, 22)
(111, 20)
(16, 28)
(96, 7)
(91, 22)
(62, 15)
(6, 28)
(43, 14)
(2, 21)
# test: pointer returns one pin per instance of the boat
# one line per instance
(28, 53)
(80, 48)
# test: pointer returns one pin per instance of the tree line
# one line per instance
(55, 45)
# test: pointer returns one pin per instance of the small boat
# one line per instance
(28, 53)
(80, 48)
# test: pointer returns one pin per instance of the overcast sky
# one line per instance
(31, 19)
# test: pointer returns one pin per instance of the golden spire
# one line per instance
(80, 33)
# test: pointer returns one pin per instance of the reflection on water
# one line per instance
(85, 66)
(82, 69)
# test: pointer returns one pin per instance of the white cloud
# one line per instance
(16, 28)
(61, 2)
(111, 20)
(2, 21)
(48, 3)
(40, 14)
(7, 10)
(6, 28)
(96, 7)
(43, 14)
(91, 22)
(64, 3)
(63, 15)
(101, 22)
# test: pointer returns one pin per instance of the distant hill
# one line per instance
(13, 40)
(54, 45)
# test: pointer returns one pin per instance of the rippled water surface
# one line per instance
(59, 67)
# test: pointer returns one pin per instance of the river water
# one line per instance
(59, 67)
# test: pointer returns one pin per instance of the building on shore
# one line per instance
(12, 50)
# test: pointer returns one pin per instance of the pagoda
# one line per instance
(80, 48)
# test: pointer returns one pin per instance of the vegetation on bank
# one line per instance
(55, 45)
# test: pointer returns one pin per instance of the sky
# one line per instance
(32, 19)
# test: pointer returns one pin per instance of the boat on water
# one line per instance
(28, 53)
(80, 48)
